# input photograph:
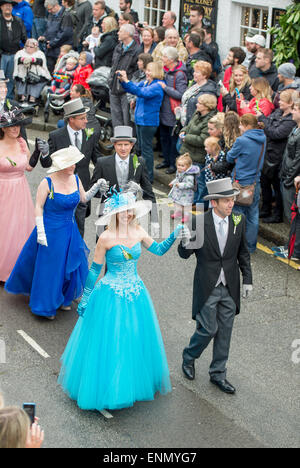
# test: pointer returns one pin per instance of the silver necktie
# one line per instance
(222, 237)
(77, 142)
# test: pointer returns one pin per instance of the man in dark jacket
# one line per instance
(100, 11)
(264, 67)
(124, 58)
(83, 14)
(278, 126)
(59, 31)
(125, 7)
(39, 20)
(76, 134)
(12, 34)
(216, 294)
(192, 44)
(291, 163)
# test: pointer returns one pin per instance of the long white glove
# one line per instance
(154, 230)
(41, 234)
(247, 288)
(101, 185)
(184, 235)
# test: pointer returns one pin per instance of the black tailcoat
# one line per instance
(235, 258)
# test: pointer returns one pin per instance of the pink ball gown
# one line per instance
(17, 218)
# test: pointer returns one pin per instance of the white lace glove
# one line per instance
(154, 230)
(184, 235)
(247, 288)
(101, 185)
(41, 235)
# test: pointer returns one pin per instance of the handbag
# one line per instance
(32, 78)
(246, 195)
(175, 102)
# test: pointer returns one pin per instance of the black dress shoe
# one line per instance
(161, 166)
(273, 219)
(171, 170)
(265, 213)
(224, 386)
(189, 370)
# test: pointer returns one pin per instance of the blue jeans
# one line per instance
(201, 187)
(252, 219)
(38, 27)
(168, 144)
(145, 137)
(7, 65)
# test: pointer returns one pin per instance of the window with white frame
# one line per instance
(154, 11)
(254, 20)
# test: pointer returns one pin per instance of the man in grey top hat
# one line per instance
(75, 133)
(216, 293)
(123, 166)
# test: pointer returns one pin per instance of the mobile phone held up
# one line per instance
(29, 408)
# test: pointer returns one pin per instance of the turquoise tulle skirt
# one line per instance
(115, 355)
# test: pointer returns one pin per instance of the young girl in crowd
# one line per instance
(84, 70)
(213, 154)
(183, 187)
(64, 50)
(261, 101)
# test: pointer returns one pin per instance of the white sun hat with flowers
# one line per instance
(122, 201)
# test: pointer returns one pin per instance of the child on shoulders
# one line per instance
(213, 154)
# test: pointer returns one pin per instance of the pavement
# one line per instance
(277, 234)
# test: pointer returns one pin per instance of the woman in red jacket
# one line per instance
(262, 100)
(84, 70)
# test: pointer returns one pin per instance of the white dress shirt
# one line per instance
(221, 241)
(72, 135)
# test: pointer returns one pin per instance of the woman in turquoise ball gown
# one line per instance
(115, 355)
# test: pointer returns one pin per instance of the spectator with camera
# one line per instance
(125, 58)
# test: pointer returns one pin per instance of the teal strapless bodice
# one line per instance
(122, 274)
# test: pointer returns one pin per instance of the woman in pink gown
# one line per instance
(17, 218)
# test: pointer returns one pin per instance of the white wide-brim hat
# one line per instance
(123, 202)
(64, 158)
(220, 188)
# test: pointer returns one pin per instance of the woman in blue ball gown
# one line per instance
(115, 355)
(52, 266)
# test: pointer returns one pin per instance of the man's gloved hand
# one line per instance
(101, 185)
(247, 288)
(154, 230)
(41, 234)
(42, 146)
(184, 235)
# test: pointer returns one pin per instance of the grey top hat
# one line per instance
(122, 133)
(220, 188)
(74, 107)
(2, 77)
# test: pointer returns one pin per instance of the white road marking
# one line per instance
(33, 344)
(106, 414)
(159, 192)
